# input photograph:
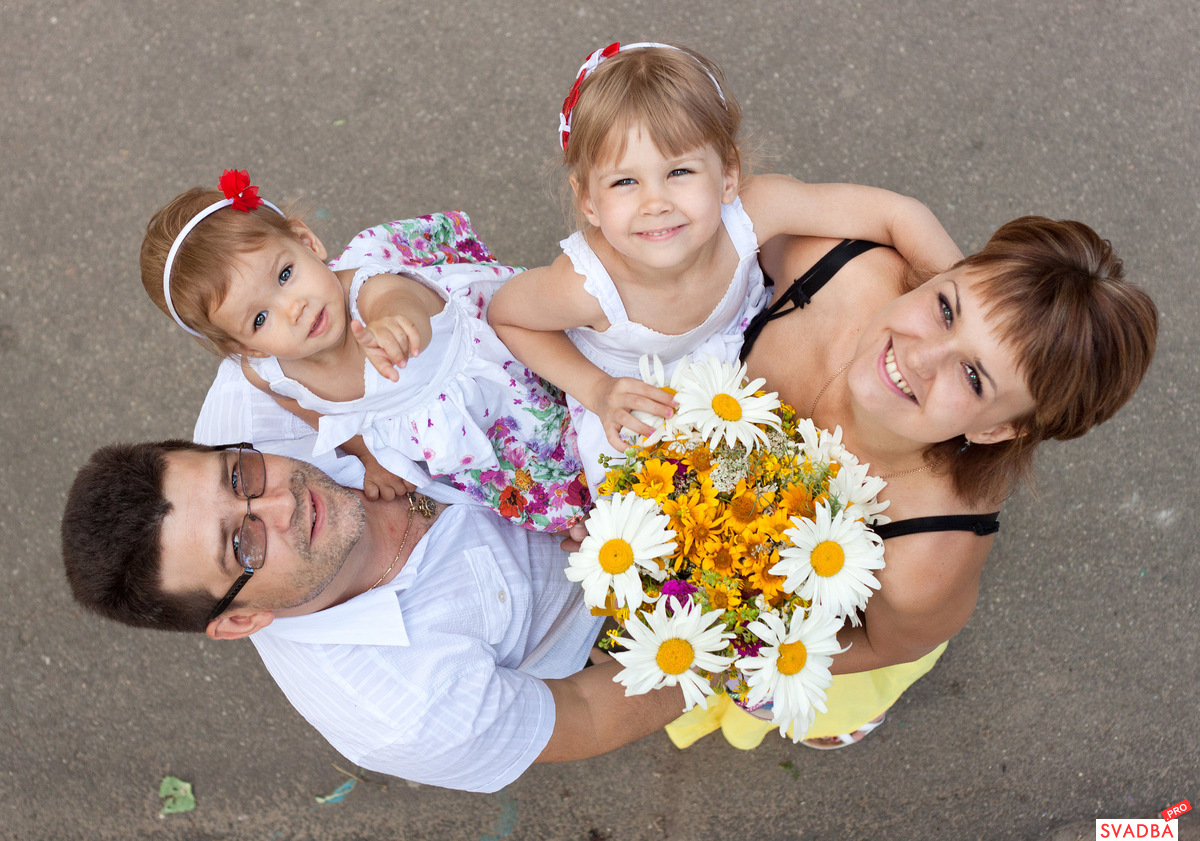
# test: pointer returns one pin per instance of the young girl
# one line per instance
(668, 264)
(424, 389)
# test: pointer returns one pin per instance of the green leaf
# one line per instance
(177, 796)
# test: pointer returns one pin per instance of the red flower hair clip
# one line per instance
(235, 184)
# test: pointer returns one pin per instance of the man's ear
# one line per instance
(1001, 432)
(305, 236)
(585, 202)
(234, 625)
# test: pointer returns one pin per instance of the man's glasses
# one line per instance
(249, 481)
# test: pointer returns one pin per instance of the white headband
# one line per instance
(235, 184)
(594, 61)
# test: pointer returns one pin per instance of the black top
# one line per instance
(799, 294)
(804, 287)
(981, 524)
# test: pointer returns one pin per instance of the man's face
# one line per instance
(311, 523)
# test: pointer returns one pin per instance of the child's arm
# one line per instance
(396, 312)
(530, 312)
(378, 481)
(778, 204)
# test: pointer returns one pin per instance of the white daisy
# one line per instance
(626, 534)
(713, 400)
(653, 373)
(822, 446)
(666, 649)
(858, 493)
(791, 670)
(830, 562)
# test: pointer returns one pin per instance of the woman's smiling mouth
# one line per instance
(893, 372)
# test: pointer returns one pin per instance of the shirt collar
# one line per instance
(370, 618)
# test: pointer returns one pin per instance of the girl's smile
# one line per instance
(658, 211)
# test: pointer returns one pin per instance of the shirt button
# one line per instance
(502, 596)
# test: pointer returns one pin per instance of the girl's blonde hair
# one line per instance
(676, 95)
(203, 265)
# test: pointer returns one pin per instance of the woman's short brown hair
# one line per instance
(1083, 335)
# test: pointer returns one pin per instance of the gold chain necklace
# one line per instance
(419, 505)
(820, 394)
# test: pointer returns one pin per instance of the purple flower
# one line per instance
(679, 591)
(747, 650)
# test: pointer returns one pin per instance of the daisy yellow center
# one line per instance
(675, 656)
(828, 558)
(727, 408)
(792, 656)
(616, 556)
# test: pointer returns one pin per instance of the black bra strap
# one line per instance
(805, 286)
(981, 524)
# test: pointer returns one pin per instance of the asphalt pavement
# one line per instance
(1070, 696)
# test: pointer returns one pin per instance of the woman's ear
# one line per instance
(305, 236)
(234, 624)
(1001, 432)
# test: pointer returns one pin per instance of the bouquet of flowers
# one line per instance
(731, 546)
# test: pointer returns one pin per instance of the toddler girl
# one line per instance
(423, 390)
(668, 262)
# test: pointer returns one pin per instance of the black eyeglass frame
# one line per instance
(247, 569)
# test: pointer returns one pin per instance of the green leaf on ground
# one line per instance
(177, 796)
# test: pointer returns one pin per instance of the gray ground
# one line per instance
(1070, 696)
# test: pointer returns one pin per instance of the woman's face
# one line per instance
(931, 366)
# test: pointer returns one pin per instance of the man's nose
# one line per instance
(276, 508)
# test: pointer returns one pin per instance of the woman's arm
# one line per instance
(779, 204)
(529, 314)
(928, 591)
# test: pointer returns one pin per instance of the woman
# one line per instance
(946, 388)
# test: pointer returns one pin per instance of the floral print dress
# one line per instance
(464, 410)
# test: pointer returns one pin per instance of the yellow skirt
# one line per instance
(852, 701)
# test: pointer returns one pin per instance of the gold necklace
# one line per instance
(828, 383)
(423, 506)
(817, 399)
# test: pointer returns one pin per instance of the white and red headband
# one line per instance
(594, 61)
(239, 195)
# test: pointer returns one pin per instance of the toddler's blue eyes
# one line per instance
(260, 320)
(285, 275)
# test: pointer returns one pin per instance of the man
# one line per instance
(435, 642)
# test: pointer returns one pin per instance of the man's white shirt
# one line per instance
(436, 676)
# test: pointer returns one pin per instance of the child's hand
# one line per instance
(388, 343)
(380, 484)
(617, 397)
